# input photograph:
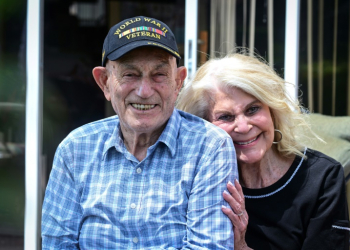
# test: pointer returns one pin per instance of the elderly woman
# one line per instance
(294, 196)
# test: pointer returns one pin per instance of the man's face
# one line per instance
(143, 86)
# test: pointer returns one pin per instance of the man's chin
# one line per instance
(146, 125)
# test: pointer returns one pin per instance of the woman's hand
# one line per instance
(238, 215)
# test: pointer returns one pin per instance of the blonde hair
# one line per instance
(255, 77)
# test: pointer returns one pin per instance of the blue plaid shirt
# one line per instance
(99, 196)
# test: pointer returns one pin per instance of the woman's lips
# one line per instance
(244, 143)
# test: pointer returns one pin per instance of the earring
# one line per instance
(276, 142)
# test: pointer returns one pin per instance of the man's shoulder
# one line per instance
(92, 130)
(195, 126)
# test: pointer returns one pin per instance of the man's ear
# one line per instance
(180, 76)
(100, 76)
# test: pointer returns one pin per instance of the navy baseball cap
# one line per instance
(136, 32)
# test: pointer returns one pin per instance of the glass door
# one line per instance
(12, 122)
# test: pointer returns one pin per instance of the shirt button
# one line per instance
(139, 170)
(133, 205)
(135, 240)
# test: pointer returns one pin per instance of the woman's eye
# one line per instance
(226, 118)
(253, 110)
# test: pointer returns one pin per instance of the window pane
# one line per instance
(12, 122)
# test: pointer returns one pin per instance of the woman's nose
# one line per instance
(242, 125)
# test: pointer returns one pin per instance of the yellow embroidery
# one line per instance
(131, 21)
(126, 24)
(143, 33)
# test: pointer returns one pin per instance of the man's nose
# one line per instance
(242, 125)
(145, 88)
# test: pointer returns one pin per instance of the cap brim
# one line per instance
(118, 53)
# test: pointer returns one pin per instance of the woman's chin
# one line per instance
(250, 158)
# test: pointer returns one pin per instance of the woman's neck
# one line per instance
(265, 172)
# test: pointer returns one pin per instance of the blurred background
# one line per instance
(72, 36)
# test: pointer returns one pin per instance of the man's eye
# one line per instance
(129, 75)
(160, 75)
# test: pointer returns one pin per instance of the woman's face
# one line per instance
(247, 120)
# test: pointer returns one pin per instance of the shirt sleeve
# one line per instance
(329, 226)
(61, 211)
(207, 225)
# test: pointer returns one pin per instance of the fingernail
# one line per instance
(230, 183)
(236, 181)
(226, 192)
(223, 206)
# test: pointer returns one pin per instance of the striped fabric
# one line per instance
(142, 28)
(99, 196)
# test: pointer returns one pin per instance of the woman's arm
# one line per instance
(328, 227)
(237, 214)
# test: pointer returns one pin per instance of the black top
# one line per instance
(305, 209)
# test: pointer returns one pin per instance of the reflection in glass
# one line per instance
(12, 123)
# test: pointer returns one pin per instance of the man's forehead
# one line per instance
(146, 51)
(147, 55)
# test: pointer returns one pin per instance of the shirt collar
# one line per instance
(168, 136)
(114, 140)
(170, 132)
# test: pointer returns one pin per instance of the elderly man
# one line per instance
(151, 177)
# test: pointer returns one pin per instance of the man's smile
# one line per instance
(143, 106)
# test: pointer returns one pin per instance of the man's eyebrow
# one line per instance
(128, 66)
(163, 64)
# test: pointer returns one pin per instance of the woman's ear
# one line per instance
(101, 78)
